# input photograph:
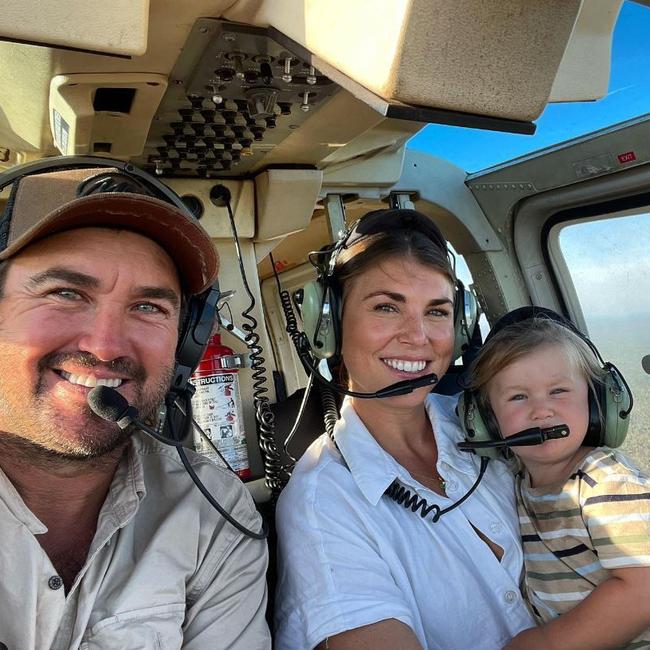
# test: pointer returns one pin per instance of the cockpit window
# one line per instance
(604, 263)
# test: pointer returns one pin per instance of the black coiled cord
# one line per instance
(327, 397)
(419, 505)
(274, 475)
(330, 409)
(297, 337)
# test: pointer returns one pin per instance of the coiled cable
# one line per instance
(274, 475)
(327, 397)
(330, 408)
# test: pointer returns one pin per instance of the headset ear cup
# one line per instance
(465, 318)
(594, 436)
(615, 404)
(194, 334)
(478, 426)
(320, 318)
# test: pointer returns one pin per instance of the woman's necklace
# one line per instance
(435, 477)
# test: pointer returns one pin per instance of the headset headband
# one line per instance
(530, 312)
(386, 221)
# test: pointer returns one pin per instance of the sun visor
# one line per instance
(118, 27)
(489, 58)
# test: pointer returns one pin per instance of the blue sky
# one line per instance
(629, 96)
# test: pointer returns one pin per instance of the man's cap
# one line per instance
(47, 203)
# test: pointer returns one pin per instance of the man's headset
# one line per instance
(610, 400)
(322, 301)
(199, 312)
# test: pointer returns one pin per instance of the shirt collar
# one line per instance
(11, 499)
(373, 469)
(126, 491)
(127, 488)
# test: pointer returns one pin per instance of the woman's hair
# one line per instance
(376, 248)
(519, 339)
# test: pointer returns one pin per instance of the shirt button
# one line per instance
(55, 582)
(510, 596)
(496, 527)
(451, 486)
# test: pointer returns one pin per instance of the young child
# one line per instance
(584, 509)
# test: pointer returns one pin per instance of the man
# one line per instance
(105, 541)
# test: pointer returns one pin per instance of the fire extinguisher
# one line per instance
(217, 406)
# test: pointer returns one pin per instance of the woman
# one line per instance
(357, 569)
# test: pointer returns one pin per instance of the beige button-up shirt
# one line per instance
(164, 569)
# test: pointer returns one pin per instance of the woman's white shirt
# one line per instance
(349, 556)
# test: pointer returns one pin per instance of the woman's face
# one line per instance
(398, 324)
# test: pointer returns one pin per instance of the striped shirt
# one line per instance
(573, 533)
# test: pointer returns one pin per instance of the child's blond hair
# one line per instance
(521, 338)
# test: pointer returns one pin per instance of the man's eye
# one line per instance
(149, 308)
(67, 294)
(386, 307)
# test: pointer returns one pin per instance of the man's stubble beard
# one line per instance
(45, 438)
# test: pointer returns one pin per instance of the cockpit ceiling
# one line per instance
(238, 91)
(228, 87)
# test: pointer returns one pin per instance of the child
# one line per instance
(584, 509)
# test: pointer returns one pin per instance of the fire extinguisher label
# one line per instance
(217, 408)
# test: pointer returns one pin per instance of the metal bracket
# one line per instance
(402, 200)
(335, 210)
(233, 329)
(233, 361)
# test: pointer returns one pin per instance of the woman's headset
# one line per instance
(322, 301)
(200, 311)
(610, 400)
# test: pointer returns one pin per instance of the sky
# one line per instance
(628, 97)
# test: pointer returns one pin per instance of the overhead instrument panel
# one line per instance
(234, 94)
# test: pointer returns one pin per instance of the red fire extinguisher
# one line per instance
(217, 406)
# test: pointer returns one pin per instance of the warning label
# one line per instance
(218, 410)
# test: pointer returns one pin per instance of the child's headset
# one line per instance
(322, 301)
(610, 400)
(199, 311)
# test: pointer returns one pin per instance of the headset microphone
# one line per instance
(111, 405)
(525, 438)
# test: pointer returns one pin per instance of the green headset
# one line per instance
(610, 400)
(321, 304)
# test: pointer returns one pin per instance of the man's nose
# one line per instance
(105, 334)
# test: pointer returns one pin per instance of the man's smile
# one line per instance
(90, 381)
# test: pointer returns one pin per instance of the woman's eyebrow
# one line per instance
(398, 297)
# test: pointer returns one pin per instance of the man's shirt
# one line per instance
(164, 570)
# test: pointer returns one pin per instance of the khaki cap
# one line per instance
(48, 203)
